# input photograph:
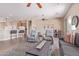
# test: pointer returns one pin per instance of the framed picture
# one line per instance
(75, 21)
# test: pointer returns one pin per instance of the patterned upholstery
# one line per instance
(32, 36)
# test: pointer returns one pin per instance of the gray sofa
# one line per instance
(77, 39)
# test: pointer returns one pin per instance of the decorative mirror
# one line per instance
(74, 21)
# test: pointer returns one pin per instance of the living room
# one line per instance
(39, 29)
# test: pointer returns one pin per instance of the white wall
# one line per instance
(74, 10)
(55, 23)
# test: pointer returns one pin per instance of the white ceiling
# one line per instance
(19, 10)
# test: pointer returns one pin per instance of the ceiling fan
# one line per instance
(38, 4)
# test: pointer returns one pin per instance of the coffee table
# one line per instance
(39, 52)
(46, 49)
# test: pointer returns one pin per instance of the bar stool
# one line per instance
(13, 34)
(21, 33)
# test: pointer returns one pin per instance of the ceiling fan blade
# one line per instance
(39, 5)
(28, 5)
